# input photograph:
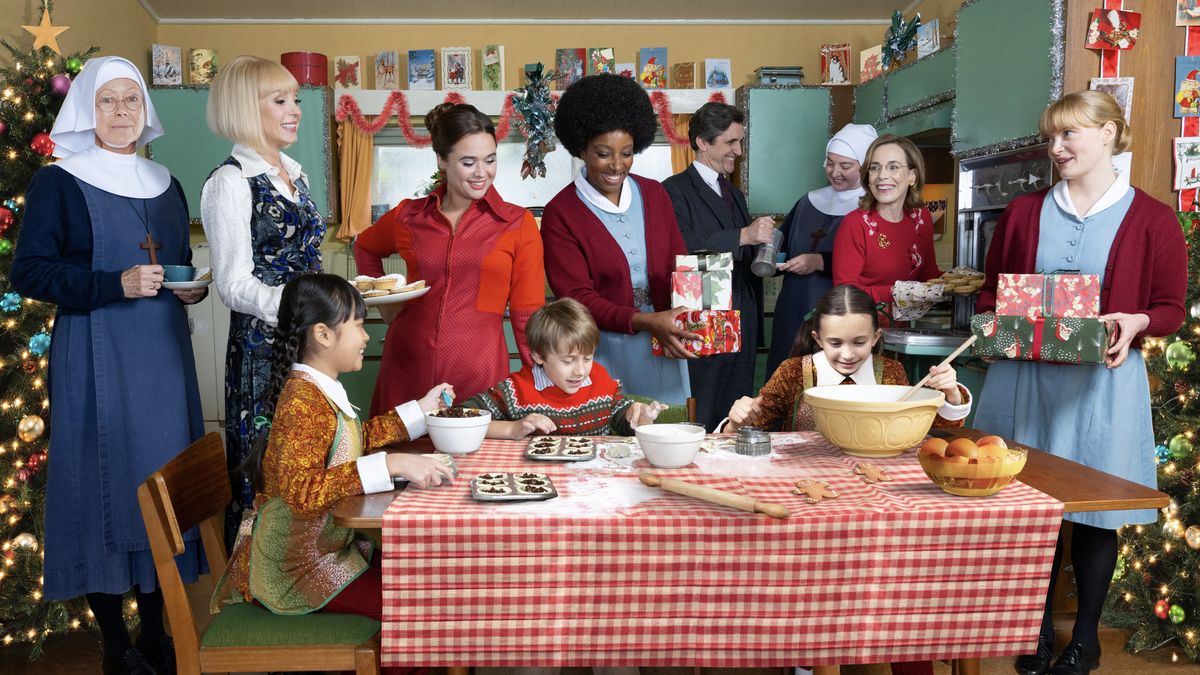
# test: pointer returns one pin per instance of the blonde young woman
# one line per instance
(262, 226)
(1099, 415)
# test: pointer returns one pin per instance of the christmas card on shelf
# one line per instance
(625, 69)
(492, 73)
(166, 65)
(422, 69)
(456, 68)
(347, 72)
(717, 74)
(387, 73)
(202, 64)
(652, 67)
(834, 61)
(683, 75)
(570, 63)
(870, 63)
(600, 60)
(929, 40)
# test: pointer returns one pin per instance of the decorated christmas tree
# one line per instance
(32, 86)
(1156, 587)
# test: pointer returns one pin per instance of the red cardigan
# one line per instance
(1150, 277)
(584, 262)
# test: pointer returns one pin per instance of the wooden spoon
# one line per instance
(714, 495)
(953, 355)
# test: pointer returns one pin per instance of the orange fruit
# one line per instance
(992, 453)
(935, 446)
(962, 447)
(991, 440)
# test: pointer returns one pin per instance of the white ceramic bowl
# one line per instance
(669, 446)
(457, 435)
(868, 420)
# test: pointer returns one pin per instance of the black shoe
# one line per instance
(128, 662)
(1076, 661)
(160, 654)
(1037, 663)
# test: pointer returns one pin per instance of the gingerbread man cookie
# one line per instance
(871, 474)
(815, 490)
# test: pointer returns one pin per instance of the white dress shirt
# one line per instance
(225, 211)
(826, 375)
(709, 176)
(372, 468)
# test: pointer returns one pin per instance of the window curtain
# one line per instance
(682, 156)
(355, 157)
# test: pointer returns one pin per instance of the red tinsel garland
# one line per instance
(397, 104)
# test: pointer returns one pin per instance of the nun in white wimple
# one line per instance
(808, 232)
(122, 380)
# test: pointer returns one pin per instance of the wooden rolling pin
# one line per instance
(722, 497)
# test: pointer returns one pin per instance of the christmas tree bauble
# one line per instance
(1179, 355)
(1192, 536)
(74, 65)
(39, 343)
(1180, 446)
(42, 145)
(10, 302)
(6, 246)
(1119, 569)
(31, 428)
(1162, 453)
(6, 218)
(1194, 310)
(25, 540)
(3, 128)
(1162, 608)
(60, 84)
(1176, 614)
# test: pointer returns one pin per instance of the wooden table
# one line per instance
(1078, 487)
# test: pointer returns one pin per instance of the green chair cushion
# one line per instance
(672, 415)
(247, 625)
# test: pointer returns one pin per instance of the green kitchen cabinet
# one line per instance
(787, 129)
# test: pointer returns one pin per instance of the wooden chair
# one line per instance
(192, 490)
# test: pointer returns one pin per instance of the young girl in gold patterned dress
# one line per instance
(290, 557)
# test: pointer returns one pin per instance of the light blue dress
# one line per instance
(628, 357)
(1089, 414)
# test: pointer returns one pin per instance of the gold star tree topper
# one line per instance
(44, 34)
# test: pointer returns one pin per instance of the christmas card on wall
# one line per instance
(929, 40)
(569, 63)
(834, 61)
(717, 74)
(347, 72)
(387, 73)
(869, 63)
(1120, 88)
(492, 72)
(683, 75)
(600, 60)
(166, 65)
(1187, 86)
(1187, 163)
(456, 68)
(652, 67)
(1113, 29)
(422, 69)
(625, 69)
(1187, 12)
(202, 64)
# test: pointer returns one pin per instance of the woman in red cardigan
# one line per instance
(611, 237)
(889, 238)
(477, 254)
(1092, 221)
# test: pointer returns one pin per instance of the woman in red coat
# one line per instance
(889, 238)
(477, 254)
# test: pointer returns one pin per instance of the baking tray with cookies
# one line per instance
(512, 487)
(560, 449)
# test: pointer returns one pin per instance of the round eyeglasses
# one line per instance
(131, 103)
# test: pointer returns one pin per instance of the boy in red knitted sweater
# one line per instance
(564, 393)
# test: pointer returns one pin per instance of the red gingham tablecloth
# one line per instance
(616, 573)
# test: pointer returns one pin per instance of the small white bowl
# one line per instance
(458, 435)
(669, 446)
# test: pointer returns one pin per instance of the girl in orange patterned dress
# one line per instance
(290, 556)
(836, 345)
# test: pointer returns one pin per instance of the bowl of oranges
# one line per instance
(970, 468)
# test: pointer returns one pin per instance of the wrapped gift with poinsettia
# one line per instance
(1044, 317)
(703, 280)
(720, 332)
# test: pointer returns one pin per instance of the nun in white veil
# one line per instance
(808, 232)
(99, 225)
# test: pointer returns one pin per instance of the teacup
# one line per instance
(179, 272)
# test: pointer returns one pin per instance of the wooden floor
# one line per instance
(79, 653)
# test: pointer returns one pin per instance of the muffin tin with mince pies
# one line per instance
(512, 487)
(560, 449)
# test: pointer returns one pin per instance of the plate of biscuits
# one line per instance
(959, 281)
(388, 289)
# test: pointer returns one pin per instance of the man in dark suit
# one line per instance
(712, 216)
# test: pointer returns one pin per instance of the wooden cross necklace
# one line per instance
(151, 244)
(817, 235)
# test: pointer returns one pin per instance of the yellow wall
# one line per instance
(117, 27)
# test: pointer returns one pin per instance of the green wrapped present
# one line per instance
(1047, 339)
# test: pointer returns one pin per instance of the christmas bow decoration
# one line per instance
(535, 105)
(900, 38)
